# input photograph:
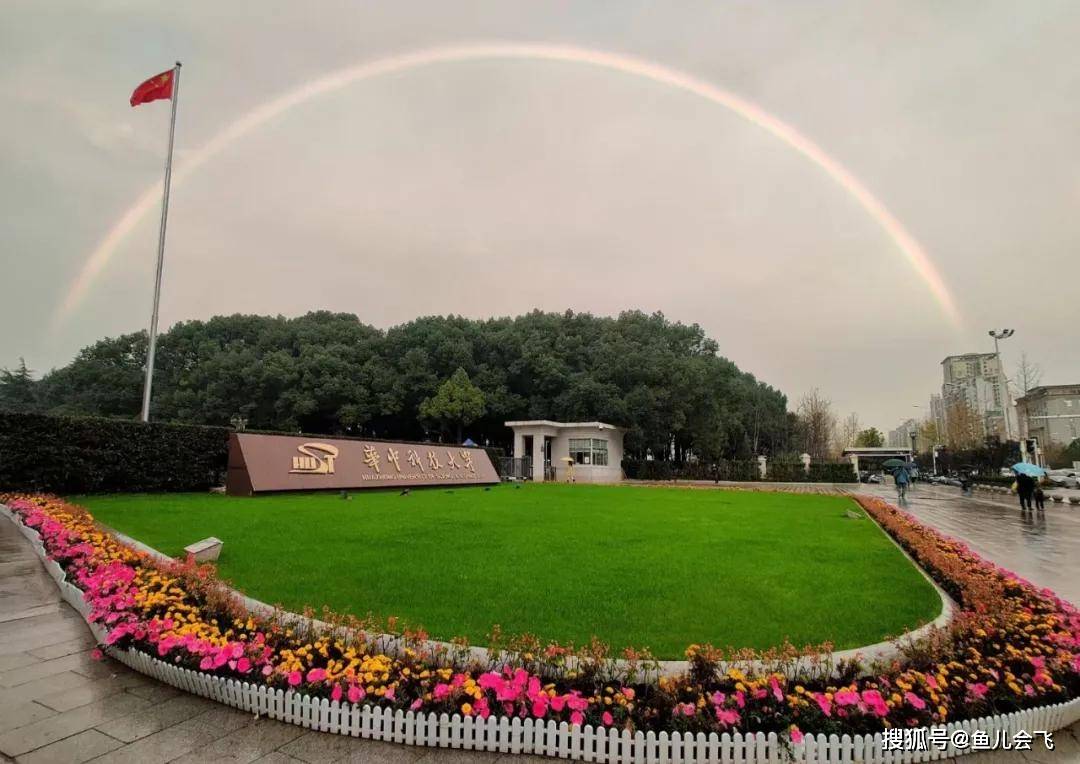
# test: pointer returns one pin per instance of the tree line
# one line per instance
(435, 377)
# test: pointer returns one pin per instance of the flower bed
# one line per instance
(1011, 647)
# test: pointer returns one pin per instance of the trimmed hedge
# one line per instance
(65, 455)
(998, 480)
(743, 471)
(832, 472)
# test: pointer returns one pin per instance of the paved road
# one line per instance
(1043, 547)
(59, 705)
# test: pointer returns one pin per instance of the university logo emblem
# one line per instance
(315, 459)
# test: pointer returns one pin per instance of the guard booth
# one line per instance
(594, 449)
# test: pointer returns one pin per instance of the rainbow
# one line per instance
(336, 80)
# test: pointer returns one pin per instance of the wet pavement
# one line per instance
(1041, 546)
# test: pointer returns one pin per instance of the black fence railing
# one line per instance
(515, 469)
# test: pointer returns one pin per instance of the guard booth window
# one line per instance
(589, 451)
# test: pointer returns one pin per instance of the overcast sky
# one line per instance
(493, 187)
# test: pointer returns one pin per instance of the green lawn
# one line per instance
(649, 567)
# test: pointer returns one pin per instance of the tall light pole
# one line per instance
(1004, 334)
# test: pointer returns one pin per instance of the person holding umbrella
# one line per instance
(1025, 482)
(900, 475)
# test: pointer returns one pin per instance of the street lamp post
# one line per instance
(1004, 334)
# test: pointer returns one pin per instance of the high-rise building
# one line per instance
(978, 379)
(937, 414)
(901, 436)
(1050, 413)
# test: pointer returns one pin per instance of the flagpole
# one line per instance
(160, 251)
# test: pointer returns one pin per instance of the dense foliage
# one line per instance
(329, 373)
(90, 454)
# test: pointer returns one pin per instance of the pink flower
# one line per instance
(480, 707)
(416, 704)
(295, 678)
(628, 693)
(823, 703)
(775, 686)
(607, 719)
(577, 718)
(206, 663)
(335, 694)
(97, 655)
(390, 693)
(539, 708)
(267, 670)
(316, 675)
(243, 665)
(441, 691)
(356, 694)
(727, 717)
(918, 703)
(796, 735)
(978, 690)
(846, 697)
(876, 703)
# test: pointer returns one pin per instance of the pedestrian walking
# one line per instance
(1025, 487)
(903, 480)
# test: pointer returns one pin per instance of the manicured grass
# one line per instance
(648, 567)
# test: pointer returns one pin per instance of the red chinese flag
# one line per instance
(154, 89)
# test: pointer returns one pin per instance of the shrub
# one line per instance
(832, 472)
(786, 472)
(1000, 480)
(738, 470)
(87, 455)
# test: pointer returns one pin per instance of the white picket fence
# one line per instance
(526, 736)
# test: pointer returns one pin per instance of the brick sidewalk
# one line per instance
(59, 705)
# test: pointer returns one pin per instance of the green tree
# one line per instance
(869, 438)
(18, 389)
(1068, 455)
(328, 373)
(457, 402)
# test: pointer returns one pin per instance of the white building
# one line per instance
(1051, 414)
(978, 379)
(901, 436)
(595, 448)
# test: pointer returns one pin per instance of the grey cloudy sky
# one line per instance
(494, 187)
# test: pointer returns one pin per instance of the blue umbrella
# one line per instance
(468, 442)
(1031, 470)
